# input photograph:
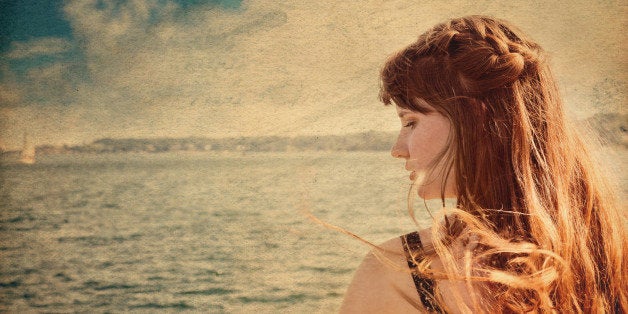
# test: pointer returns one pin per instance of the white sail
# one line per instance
(27, 155)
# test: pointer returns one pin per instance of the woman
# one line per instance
(534, 228)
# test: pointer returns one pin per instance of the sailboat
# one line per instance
(27, 155)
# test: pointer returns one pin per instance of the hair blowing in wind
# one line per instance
(550, 236)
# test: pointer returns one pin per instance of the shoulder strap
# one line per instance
(413, 249)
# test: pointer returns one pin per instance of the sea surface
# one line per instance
(194, 232)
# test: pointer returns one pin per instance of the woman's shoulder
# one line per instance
(383, 282)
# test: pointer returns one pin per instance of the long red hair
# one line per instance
(523, 177)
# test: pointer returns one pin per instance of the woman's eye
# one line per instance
(409, 124)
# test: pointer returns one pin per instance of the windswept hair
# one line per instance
(550, 235)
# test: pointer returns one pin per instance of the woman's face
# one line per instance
(421, 140)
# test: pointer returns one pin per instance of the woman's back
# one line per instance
(387, 283)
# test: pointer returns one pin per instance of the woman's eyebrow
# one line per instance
(401, 114)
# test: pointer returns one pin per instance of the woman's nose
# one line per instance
(399, 150)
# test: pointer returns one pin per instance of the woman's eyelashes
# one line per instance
(409, 124)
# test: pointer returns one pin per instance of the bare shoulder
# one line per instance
(382, 283)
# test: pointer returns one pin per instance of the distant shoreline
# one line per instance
(366, 141)
(611, 130)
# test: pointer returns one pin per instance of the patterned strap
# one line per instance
(425, 287)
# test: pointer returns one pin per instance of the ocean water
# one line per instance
(192, 232)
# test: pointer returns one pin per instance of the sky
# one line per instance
(72, 72)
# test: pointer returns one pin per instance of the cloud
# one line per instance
(10, 90)
(267, 68)
(37, 47)
(9, 94)
(152, 68)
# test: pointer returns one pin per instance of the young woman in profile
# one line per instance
(534, 228)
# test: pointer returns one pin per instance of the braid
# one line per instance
(485, 54)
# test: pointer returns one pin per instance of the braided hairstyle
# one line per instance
(551, 237)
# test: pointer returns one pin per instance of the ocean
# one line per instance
(197, 232)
